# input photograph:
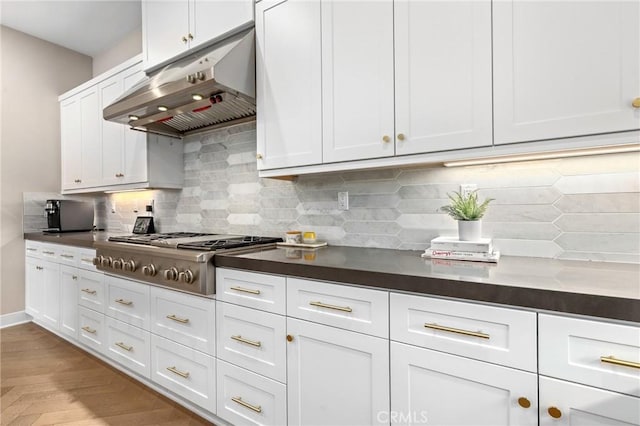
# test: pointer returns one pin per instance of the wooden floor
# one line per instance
(45, 380)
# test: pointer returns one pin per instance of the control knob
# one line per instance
(171, 274)
(149, 270)
(129, 265)
(186, 276)
(96, 261)
(117, 264)
(106, 261)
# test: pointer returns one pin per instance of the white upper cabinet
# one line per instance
(71, 139)
(357, 80)
(289, 105)
(443, 75)
(134, 162)
(173, 27)
(565, 68)
(112, 133)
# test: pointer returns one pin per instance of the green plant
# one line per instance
(466, 207)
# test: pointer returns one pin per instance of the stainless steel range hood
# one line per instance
(210, 89)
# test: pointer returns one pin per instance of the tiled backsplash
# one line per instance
(575, 208)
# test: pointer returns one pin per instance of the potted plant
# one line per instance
(467, 210)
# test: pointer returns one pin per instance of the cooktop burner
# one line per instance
(147, 239)
(219, 244)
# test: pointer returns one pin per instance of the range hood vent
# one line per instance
(211, 89)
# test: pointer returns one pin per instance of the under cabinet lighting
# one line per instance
(197, 97)
(133, 118)
(543, 155)
(162, 108)
(117, 191)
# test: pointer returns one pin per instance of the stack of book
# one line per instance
(454, 249)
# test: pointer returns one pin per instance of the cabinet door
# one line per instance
(583, 405)
(443, 75)
(90, 118)
(112, 133)
(69, 301)
(565, 68)
(51, 294)
(33, 287)
(288, 83)
(165, 28)
(71, 143)
(438, 388)
(211, 19)
(336, 377)
(357, 80)
(135, 142)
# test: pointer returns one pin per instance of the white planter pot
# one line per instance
(469, 230)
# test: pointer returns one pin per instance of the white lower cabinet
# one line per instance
(127, 301)
(91, 290)
(335, 377)
(34, 296)
(91, 332)
(69, 278)
(430, 387)
(50, 274)
(246, 398)
(184, 371)
(564, 403)
(128, 345)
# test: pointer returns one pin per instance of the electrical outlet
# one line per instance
(467, 188)
(343, 201)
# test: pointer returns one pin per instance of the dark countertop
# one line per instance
(77, 239)
(600, 289)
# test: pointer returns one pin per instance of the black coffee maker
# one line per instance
(69, 215)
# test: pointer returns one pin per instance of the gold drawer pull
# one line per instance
(31, 249)
(74, 277)
(248, 342)
(238, 400)
(524, 402)
(84, 259)
(48, 252)
(125, 347)
(334, 307)
(554, 412)
(611, 360)
(458, 331)
(87, 290)
(67, 256)
(174, 370)
(178, 319)
(245, 290)
(89, 330)
(124, 302)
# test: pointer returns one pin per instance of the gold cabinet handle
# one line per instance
(334, 307)
(67, 256)
(386, 139)
(245, 290)
(524, 402)
(125, 347)
(247, 341)
(84, 259)
(31, 249)
(611, 360)
(119, 175)
(636, 103)
(554, 412)
(124, 302)
(49, 252)
(259, 156)
(184, 40)
(89, 330)
(39, 268)
(87, 290)
(238, 400)
(174, 370)
(401, 136)
(457, 331)
(77, 180)
(289, 338)
(178, 319)
(74, 277)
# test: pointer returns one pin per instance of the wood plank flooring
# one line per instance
(45, 380)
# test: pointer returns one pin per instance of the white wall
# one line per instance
(129, 46)
(33, 73)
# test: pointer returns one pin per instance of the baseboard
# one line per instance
(14, 318)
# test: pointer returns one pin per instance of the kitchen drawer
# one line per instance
(127, 301)
(252, 339)
(487, 333)
(32, 249)
(578, 350)
(183, 318)
(85, 259)
(67, 255)
(91, 329)
(50, 251)
(184, 371)
(128, 345)
(91, 292)
(351, 308)
(246, 398)
(259, 291)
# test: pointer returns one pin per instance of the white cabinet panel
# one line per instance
(210, 19)
(71, 139)
(69, 301)
(127, 301)
(91, 329)
(90, 119)
(565, 68)
(34, 294)
(91, 291)
(165, 23)
(128, 345)
(253, 290)
(112, 133)
(289, 86)
(135, 164)
(51, 294)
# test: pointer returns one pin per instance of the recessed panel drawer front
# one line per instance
(249, 399)
(351, 308)
(128, 301)
(184, 371)
(128, 345)
(91, 292)
(253, 290)
(50, 251)
(184, 318)
(68, 255)
(91, 331)
(32, 249)
(252, 339)
(487, 333)
(594, 353)
(85, 259)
